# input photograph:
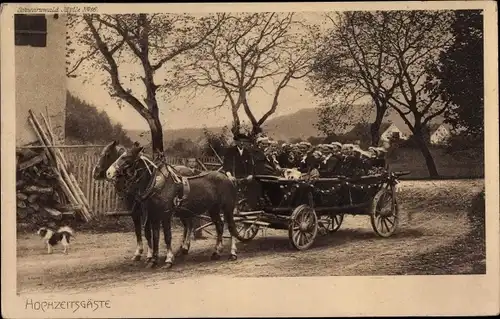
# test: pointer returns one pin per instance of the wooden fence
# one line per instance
(101, 194)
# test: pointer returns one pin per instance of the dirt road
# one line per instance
(433, 217)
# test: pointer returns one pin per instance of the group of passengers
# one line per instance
(265, 156)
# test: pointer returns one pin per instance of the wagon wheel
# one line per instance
(333, 222)
(384, 215)
(246, 232)
(303, 227)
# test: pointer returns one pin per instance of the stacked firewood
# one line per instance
(46, 188)
(38, 194)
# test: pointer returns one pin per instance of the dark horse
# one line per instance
(164, 191)
(108, 156)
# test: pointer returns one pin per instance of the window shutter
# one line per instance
(30, 30)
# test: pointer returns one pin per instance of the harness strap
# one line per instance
(150, 162)
(182, 180)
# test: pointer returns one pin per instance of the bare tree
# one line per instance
(415, 40)
(138, 52)
(389, 55)
(353, 64)
(249, 52)
(335, 117)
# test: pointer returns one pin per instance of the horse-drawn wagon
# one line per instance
(303, 206)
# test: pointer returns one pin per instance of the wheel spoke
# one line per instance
(309, 221)
(296, 237)
(308, 237)
(301, 239)
(379, 220)
(386, 226)
(336, 220)
(391, 221)
(247, 231)
(303, 216)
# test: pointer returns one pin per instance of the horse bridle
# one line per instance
(127, 179)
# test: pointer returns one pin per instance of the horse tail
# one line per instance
(230, 207)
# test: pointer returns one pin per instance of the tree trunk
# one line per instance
(256, 129)
(156, 135)
(429, 160)
(375, 130)
(235, 128)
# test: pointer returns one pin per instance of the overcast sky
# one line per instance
(187, 112)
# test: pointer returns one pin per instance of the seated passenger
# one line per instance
(262, 164)
(286, 158)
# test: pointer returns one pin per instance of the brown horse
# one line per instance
(108, 156)
(164, 192)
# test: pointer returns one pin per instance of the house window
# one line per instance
(30, 30)
(395, 135)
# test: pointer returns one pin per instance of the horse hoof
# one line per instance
(168, 265)
(136, 258)
(215, 256)
(233, 257)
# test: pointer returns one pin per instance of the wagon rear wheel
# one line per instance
(246, 232)
(303, 227)
(333, 222)
(385, 213)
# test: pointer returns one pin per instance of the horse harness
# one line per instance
(159, 176)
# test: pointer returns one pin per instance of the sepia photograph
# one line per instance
(159, 147)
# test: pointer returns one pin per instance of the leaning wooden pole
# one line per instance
(60, 168)
(60, 179)
(65, 164)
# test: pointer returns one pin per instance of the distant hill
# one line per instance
(298, 124)
(285, 127)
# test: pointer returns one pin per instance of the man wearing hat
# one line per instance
(337, 146)
(263, 142)
(332, 162)
(311, 161)
(286, 157)
(238, 161)
(263, 159)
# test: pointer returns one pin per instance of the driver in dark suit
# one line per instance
(238, 159)
(240, 163)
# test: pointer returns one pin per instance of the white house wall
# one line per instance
(41, 81)
(440, 136)
(386, 135)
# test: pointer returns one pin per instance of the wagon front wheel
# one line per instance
(333, 222)
(246, 232)
(384, 216)
(303, 227)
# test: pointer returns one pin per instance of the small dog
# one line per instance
(62, 235)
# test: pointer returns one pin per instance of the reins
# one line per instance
(127, 181)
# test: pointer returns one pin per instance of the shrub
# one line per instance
(85, 124)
